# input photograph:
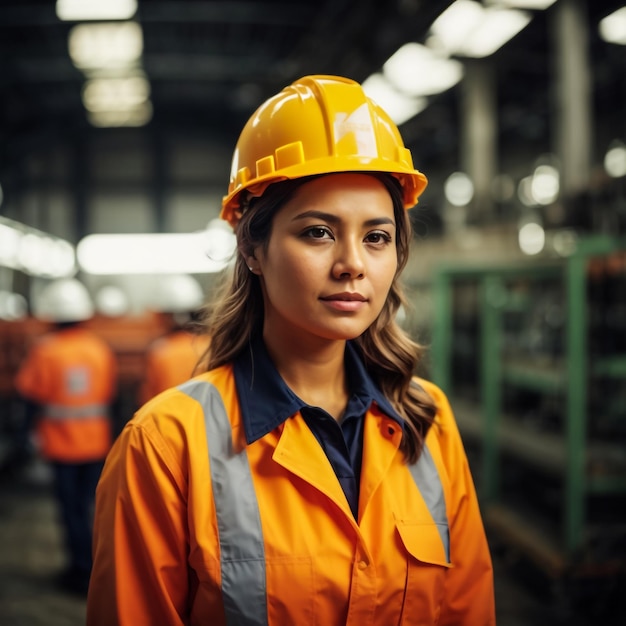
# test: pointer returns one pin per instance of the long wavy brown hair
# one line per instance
(390, 355)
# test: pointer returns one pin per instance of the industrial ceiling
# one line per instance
(210, 63)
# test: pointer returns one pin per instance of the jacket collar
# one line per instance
(266, 401)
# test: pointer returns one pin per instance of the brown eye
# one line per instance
(378, 237)
(317, 232)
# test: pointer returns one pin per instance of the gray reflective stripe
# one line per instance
(427, 479)
(238, 518)
(60, 411)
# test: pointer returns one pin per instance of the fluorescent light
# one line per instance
(416, 70)
(161, 253)
(118, 101)
(534, 5)
(524, 192)
(220, 241)
(613, 27)
(456, 24)
(9, 245)
(80, 10)
(34, 252)
(459, 189)
(497, 27)
(106, 46)
(43, 255)
(109, 54)
(398, 106)
(545, 184)
(532, 238)
(467, 29)
(615, 160)
(115, 94)
(139, 115)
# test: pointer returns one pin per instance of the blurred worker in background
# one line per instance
(111, 302)
(173, 359)
(307, 477)
(68, 383)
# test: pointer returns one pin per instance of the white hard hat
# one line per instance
(178, 293)
(64, 300)
(112, 301)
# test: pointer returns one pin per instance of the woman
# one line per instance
(307, 477)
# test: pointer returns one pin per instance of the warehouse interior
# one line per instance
(517, 279)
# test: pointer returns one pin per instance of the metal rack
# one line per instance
(581, 465)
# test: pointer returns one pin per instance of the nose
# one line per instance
(349, 261)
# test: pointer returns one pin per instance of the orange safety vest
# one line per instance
(71, 374)
(171, 360)
(194, 526)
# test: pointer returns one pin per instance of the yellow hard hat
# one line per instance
(318, 125)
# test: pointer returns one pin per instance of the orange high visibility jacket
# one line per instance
(194, 526)
(71, 374)
(171, 360)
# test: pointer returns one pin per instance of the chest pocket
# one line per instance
(427, 544)
(423, 542)
(427, 566)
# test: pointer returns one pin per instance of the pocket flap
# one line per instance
(425, 541)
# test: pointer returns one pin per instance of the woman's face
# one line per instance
(330, 260)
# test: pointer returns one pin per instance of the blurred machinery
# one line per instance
(533, 356)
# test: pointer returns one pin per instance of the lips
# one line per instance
(345, 297)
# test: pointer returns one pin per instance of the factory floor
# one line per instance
(31, 556)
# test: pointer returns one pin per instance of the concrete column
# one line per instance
(572, 116)
(479, 135)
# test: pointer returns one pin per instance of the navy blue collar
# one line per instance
(266, 401)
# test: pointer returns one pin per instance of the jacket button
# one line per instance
(362, 565)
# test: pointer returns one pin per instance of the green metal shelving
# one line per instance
(564, 455)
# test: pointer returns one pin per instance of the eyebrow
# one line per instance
(333, 219)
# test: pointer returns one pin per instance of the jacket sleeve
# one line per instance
(33, 380)
(140, 573)
(469, 582)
